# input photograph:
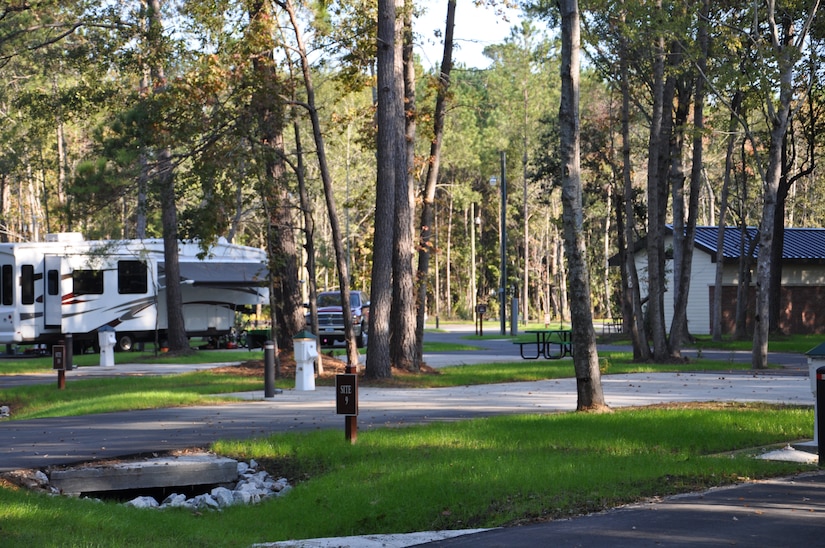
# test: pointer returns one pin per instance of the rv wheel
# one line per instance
(125, 342)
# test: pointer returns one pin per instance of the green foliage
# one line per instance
(80, 66)
(351, 27)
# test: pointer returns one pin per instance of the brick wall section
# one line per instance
(802, 309)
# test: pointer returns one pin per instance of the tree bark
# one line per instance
(632, 298)
(389, 116)
(723, 215)
(655, 229)
(679, 332)
(309, 236)
(268, 109)
(786, 44)
(403, 315)
(178, 342)
(426, 244)
(353, 356)
(283, 256)
(585, 354)
(746, 250)
(676, 182)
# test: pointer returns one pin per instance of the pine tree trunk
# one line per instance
(178, 342)
(403, 315)
(353, 356)
(390, 97)
(164, 180)
(426, 245)
(585, 355)
(723, 215)
(655, 231)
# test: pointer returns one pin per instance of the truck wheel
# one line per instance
(125, 342)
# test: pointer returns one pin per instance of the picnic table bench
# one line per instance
(614, 325)
(553, 344)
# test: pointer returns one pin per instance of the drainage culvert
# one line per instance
(199, 480)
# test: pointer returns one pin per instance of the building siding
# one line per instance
(802, 298)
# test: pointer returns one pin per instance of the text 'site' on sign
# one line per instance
(58, 357)
(346, 394)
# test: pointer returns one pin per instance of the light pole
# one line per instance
(503, 289)
(502, 286)
(473, 287)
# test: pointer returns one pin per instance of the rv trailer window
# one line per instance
(8, 285)
(53, 282)
(132, 277)
(87, 282)
(27, 284)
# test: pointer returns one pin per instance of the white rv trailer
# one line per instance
(67, 285)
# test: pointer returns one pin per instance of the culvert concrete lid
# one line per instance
(191, 469)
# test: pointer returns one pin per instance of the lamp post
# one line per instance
(502, 286)
(503, 289)
(473, 288)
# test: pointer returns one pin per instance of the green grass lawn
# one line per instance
(90, 396)
(19, 365)
(481, 473)
(776, 343)
(798, 344)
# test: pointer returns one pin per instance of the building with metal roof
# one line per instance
(802, 293)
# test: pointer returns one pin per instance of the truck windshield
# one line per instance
(334, 299)
(329, 299)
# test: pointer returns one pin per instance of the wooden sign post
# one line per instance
(346, 403)
(59, 364)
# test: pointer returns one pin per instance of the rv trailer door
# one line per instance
(52, 295)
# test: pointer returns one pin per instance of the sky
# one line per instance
(475, 28)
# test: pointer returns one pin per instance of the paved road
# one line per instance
(766, 513)
(772, 513)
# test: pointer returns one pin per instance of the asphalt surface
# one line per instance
(768, 513)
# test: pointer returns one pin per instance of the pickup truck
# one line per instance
(331, 318)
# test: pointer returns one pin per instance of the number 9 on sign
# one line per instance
(346, 394)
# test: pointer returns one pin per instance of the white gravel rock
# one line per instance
(242, 497)
(223, 496)
(175, 500)
(205, 501)
(280, 485)
(251, 488)
(143, 502)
